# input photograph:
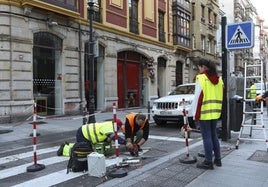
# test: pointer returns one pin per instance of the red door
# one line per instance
(128, 84)
(132, 84)
(120, 83)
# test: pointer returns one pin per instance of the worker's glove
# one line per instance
(134, 150)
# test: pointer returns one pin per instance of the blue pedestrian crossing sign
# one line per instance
(240, 35)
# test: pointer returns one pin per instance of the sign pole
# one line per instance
(224, 120)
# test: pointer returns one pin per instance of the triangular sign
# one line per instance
(239, 37)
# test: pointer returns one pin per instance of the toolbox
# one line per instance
(105, 148)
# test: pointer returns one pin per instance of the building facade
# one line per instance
(205, 22)
(142, 50)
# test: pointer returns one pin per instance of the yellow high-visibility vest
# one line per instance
(97, 131)
(212, 98)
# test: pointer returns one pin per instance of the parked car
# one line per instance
(170, 107)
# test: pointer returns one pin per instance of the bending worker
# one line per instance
(136, 132)
(98, 132)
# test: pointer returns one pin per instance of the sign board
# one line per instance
(240, 35)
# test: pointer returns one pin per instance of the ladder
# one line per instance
(256, 113)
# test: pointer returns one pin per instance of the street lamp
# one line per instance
(90, 74)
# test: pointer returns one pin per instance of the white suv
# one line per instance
(170, 108)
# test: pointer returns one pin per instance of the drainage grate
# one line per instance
(259, 156)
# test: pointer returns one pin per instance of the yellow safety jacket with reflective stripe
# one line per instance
(97, 131)
(131, 120)
(212, 98)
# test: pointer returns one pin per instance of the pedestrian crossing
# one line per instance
(13, 168)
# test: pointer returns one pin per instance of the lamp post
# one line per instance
(90, 73)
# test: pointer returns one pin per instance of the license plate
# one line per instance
(165, 112)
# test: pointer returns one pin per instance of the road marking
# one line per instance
(51, 179)
(20, 156)
(59, 176)
(176, 139)
(22, 168)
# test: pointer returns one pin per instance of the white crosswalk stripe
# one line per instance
(12, 158)
(22, 168)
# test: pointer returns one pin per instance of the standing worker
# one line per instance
(252, 94)
(207, 107)
(136, 132)
(253, 90)
(98, 132)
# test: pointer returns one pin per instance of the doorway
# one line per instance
(129, 79)
(47, 75)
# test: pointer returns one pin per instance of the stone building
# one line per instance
(205, 22)
(142, 50)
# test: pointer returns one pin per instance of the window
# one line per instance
(68, 4)
(193, 11)
(161, 27)
(133, 16)
(203, 13)
(194, 42)
(203, 44)
(215, 19)
(209, 46)
(209, 17)
(97, 15)
(181, 24)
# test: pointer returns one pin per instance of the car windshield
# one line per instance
(185, 89)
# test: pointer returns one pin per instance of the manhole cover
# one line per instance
(260, 156)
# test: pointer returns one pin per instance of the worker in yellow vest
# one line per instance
(99, 132)
(207, 107)
(253, 90)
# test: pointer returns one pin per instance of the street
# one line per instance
(16, 156)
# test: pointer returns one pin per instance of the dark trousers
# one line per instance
(79, 136)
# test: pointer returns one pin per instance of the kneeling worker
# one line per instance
(98, 132)
(136, 132)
